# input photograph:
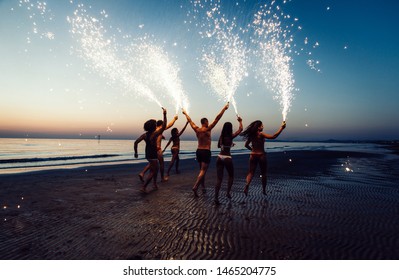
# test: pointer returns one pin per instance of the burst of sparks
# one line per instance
(141, 66)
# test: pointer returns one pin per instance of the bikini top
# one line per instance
(225, 148)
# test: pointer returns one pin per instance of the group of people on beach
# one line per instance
(253, 134)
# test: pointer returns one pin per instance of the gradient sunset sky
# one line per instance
(47, 89)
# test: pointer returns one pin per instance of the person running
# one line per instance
(203, 152)
(151, 154)
(159, 152)
(224, 158)
(253, 134)
(175, 139)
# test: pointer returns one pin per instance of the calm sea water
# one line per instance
(25, 155)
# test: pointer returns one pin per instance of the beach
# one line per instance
(320, 204)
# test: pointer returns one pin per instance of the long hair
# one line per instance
(251, 130)
(227, 130)
(227, 133)
(174, 132)
(150, 125)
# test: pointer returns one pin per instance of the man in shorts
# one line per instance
(204, 146)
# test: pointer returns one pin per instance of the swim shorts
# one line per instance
(203, 155)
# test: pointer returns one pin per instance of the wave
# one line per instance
(66, 158)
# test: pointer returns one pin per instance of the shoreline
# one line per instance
(319, 205)
(394, 148)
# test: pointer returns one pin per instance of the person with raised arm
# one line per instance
(203, 152)
(159, 152)
(175, 150)
(253, 135)
(224, 159)
(151, 154)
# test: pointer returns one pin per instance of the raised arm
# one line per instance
(192, 124)
(172, 122)
(136, 143)
(184, 128)
(240, 128)
(218, 117)
(162, 128)
(170, 141)
(277, 133)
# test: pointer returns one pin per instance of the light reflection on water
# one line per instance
(23, 155)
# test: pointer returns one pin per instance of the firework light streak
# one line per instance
(139, 67)
(158, 69)
(143, 67)
(224, 57)
(274, 49)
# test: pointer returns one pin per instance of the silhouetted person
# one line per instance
(254, 135)
(175, 140)
(151, 153)
(159, 151)
(203, 152)
(224, 159)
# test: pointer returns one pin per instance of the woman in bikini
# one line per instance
(151, 153)
(253, 134)
(224, 159)
(175, 139)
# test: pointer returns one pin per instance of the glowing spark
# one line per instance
(224, 58)
(102, 55)
(49, 35)
(141, 67)
(274, 45)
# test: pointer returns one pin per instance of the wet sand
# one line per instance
(319, 205)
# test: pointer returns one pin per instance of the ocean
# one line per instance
(18, 155)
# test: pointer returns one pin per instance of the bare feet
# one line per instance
(164, 179)
(141, 177)
(143, 191)
(195, 192)
(246, 190)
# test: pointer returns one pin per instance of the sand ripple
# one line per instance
(335, 214)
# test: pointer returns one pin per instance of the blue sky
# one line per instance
(49, 89)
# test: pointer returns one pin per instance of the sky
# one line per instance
(62, 79)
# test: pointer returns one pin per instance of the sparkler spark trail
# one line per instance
(274, 48)
(235, 43)
(102, 53)
(157, 69)
(140, 67)
(224, 57)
